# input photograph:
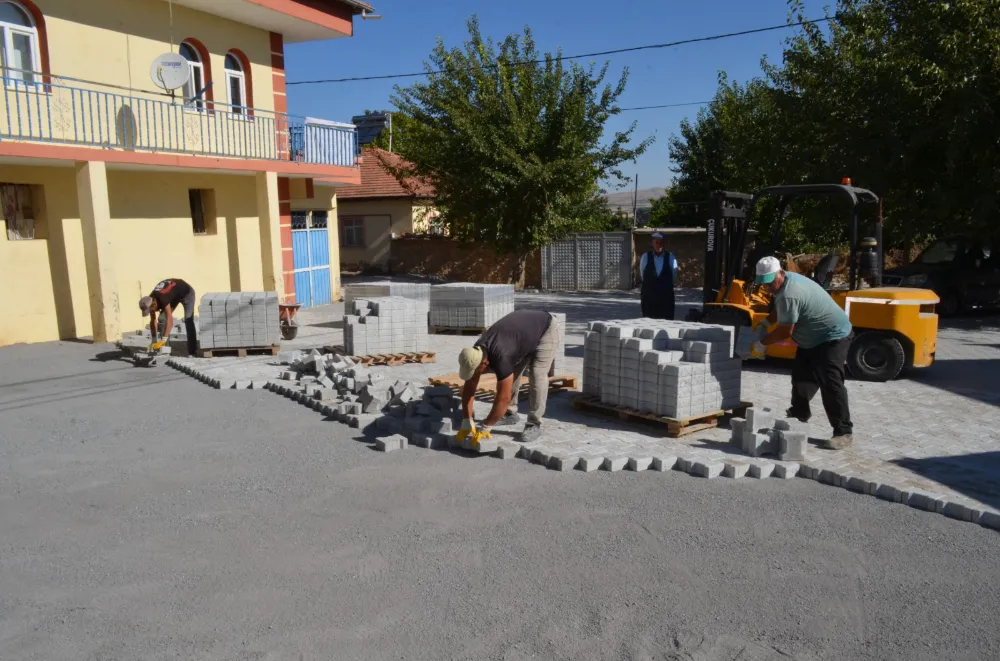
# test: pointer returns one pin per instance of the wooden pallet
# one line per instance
(488, 383)
(448, 330)
(240, 352)
(675, 427)
(389, 359)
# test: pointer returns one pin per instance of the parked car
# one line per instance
(962, 270)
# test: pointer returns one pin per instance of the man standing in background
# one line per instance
(658, 271)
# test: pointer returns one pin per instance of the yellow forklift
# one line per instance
(894, 327)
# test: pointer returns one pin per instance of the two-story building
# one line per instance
(109, 183)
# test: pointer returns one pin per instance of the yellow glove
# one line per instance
(478, 436)
(758, 351)
(468, 429)
(156, 346)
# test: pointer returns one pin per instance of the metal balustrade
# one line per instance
(60, 110)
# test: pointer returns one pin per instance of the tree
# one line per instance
(899, 95)
(400, 123)
(512, 141)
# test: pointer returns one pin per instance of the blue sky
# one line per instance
(401, 41)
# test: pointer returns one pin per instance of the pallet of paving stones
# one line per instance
(239, 352)
(488, 383)
(388, 359)
(675, 427)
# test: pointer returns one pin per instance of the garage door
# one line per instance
(311, 258)
(597, 260)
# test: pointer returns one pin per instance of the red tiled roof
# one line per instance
(378, 182)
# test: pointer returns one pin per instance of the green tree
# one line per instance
(513, 142)
(400, 123)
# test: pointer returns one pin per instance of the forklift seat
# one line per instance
(823, 273)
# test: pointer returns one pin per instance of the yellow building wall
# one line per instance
(382, 219)
(154, 237)
(115, 42)
(324, 199)
(46, 295)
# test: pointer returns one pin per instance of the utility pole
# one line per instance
(635, 201)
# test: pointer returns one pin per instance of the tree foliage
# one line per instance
(400, 124)
(513, 141)
(899, 95)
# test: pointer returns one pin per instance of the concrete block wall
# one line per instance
(470, 305)
(233, 320)
(389, 324)
(675, 369)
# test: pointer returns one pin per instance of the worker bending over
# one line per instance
(822, 331)
(164, 298)
(658, 271)
(522, 340)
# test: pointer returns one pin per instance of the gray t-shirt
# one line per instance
(512, 339)
(816, 317)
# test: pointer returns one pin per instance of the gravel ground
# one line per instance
(144, 519)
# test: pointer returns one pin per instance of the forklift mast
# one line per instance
(725, 241)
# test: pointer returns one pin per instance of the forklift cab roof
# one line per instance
(855, 195)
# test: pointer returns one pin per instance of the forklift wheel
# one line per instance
(875, 357)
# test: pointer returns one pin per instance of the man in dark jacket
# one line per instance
(658, 270)
(165, 297)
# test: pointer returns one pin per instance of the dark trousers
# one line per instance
(822, 368)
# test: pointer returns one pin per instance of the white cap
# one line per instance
(767, 269)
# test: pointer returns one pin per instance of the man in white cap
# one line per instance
(823, 332)
(524, 340)
(165, 297)
(658, 271)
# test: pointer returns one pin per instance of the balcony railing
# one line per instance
(70, 111)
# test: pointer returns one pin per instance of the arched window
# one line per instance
(21, 58)
(236, 83)
(196, 82)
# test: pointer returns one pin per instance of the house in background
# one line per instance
(369, 215)
(110, 184)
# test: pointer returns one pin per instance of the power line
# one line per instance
(668, 105)
(616, 51)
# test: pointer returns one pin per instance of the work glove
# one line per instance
(468, 429)
(156, 346)
(757, 351)
(478, 436)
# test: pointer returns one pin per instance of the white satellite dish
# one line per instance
(170, 71)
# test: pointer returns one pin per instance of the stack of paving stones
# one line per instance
(238, 320)
(673, 369)
(761, 434)
(559, 364)
(470, 305)
(418, 292)
(386, 325)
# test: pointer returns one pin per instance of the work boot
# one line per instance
(509, 419)
(530, 434)
(839, 442)
(791, 413)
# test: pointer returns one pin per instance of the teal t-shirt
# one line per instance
(816, 317)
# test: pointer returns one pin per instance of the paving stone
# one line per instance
(786, 470)
(990, 520)
(540, 455)
(889, 492)
(683, 465)
(924, 500)
(391, 443)
(735, 469)
(507, 449)
(855, 483)
(962, 512)
(562, 461)
(709, 469)
(590, 463)
(639, 463)
(761, 471)
(614, 464)
(664, 462)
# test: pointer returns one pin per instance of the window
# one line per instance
(319, 219)
(196, 82)
(203, 215)
(300, 220)
(20, 43)
(18, 211)
(352, 232)
(236, 83)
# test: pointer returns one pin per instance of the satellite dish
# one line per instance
(170, 71)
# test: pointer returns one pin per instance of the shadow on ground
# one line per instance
(974, 475)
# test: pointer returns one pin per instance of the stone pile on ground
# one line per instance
(238, 320)
(470, 305)
(674, 369)
(386, 325)
(760, 434)
(418, 292)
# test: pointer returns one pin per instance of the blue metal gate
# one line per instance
(311, 258)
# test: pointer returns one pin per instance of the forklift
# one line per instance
(894, 327)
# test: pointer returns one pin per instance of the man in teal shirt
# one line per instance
(807, 314)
